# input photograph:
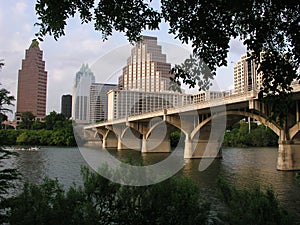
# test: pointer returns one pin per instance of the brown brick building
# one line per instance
(32, 83)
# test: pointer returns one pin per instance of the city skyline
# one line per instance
(64, 57)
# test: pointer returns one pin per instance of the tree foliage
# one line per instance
(1, 63)
(5, 100)
(267, 26)
(259, 136)
(256, 205)
(27, 120)
(54, 120)
(207, 25)
(7, 175)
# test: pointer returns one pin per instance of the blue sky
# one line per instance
(81, 44)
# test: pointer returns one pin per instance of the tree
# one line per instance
(38, 125)
(269, 27)
(54, 120)
(1, 63)
(5, 100)
(7, 175)
(256, 205)
(27, 120)
(208, 25)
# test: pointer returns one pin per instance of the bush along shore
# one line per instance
(60, 137)
(173, 201)
(56, 130)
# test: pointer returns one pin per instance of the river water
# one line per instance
(240, 166)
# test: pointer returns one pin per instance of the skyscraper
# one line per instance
(147, 69)
(246, 77)
(81, 94)
(99, 101)
(66, 105)
(32, 83)
(144, 83)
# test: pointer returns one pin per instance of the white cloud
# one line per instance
(20, 8)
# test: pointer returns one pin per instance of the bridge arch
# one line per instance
(274, 127)
(110, 140)
(153, 127)
(126, 130)
(177, 124)
(294, 131)
(130, 138)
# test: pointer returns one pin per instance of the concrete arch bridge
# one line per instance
(203, 125)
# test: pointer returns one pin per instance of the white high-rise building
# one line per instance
(246, 77)
(99, 101)
(81, 94)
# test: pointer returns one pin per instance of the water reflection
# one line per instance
(32, 165)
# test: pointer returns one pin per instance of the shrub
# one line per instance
(254, 206)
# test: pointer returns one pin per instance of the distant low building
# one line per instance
(66, 105)
(208, 95)
(7, 123)
(123, 103)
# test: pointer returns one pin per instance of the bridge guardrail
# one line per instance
(230, 98)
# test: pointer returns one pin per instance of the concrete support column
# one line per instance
(288, 155)
(120, 145)
(110, 142)
(188, 147)
(158, 145)
(207, 149)
(202, 149)
(144, 144)
(103, 143)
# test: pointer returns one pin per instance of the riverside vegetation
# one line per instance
(58, 131)
(173, 201)
(55, 131)
(240, 136)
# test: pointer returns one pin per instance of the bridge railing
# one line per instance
(229, 97)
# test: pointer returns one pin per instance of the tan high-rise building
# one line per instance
(246, 77)
(147, 69)
(32, 83)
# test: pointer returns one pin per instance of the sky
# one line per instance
(81, 44)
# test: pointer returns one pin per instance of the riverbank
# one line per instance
(238, 136)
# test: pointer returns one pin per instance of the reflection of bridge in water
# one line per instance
(203, 125)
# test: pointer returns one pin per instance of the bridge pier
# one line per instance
(156, 145)
(288, 155)
(197, 149)
(109, 142)
(126, 143)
